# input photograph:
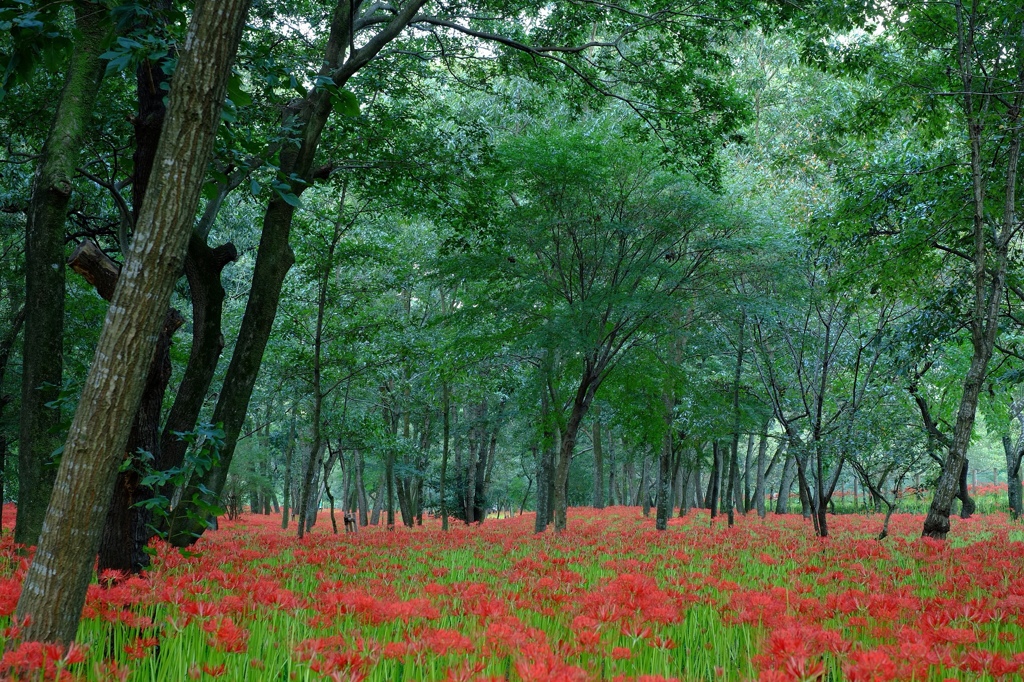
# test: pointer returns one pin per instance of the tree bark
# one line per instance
(445, 438)
(289, 453)
(598, 460)
(42, 354)
(275, 257)
(990, 265)
(54, 588)
(786, 484)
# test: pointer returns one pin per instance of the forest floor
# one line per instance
(610, 599)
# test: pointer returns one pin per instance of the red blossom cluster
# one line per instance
(611, 599)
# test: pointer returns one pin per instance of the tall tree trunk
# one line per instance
(55, 585)
(580, 406)
(734, 450)
(545, 463)
(289, 452)
(275, 257)
(747, 492)
(360, 488)
(714, 485)
(664, 509)
(598, 460)
(42, 350)
(446, 407)
(6, 346)
(645, 494)
(759, 484)
(127, 528)
(1013, 487)
(786, 484)
(990, 264)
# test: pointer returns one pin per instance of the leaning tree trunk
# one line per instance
(275, 257)
(42, 354)
(55, 585)
(127, 528)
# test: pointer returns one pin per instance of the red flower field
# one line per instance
(610, 599)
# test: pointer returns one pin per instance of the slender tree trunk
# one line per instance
(42, 350)
(55, 585)
(714, 483)
(275, 257)
(762, 451)
(734, 450)
(786, 484)
(645, 496)
(598, 460)
(611, 470)
(747, 492)
(445, 437)
(289, 452)
(664, 511)
(360, 489)
(1013, 486)
(990, 263)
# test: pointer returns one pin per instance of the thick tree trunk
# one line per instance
(42, 354)
(734, 450)
(55, 585)
(127, 528)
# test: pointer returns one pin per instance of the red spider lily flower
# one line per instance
(226, 635)
(139, 647)
(31, 659)
(214, 670)
(621, 653)
(870, 666)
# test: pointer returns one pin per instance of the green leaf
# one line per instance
(239, 97)
(345, 103)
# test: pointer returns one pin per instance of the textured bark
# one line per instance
(42, 355)
(55, 585)
(664, 508)
(360, 489)
(1013, 489)
(127, 528)
(275, 257)
(580, 406)
(786, 484)
(6, 346)
(762, 450)
(203, 267)
(734, 450)
(446, 407)
(289, 455)
(598, 460)
(989, 261)
(714, 485)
